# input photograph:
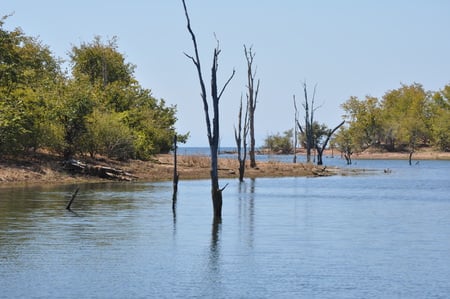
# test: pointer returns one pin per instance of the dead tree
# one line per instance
(307, 129)
(176, 175)
(240, 135)
(295, 130)
(321, 148)
(74, 195)
(252, 96)
(348, 156)
(212, 131)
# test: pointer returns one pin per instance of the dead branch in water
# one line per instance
(72, 199)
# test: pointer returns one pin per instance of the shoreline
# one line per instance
(47, 169)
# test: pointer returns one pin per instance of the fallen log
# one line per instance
(101, 171)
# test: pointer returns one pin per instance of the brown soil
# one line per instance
(46, 168)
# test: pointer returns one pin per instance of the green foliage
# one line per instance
(279, 143)
(405, 118)
(440, 120)
(108, 135)
(27, 74)
(100, 109)
(101, 63)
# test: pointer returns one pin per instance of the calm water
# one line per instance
(372, 236)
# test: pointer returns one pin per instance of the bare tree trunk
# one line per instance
(309, 120)
(412, 148)
(252, 96)
(348, 157)
(175, 174)
(295, 130)
(212, 132)
(240, 135)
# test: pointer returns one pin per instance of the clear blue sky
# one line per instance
(347, 47)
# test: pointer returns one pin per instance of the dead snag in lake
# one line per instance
(212, 132)
(252, 96)
(175, 174)
(72, 199)
(321, 148)
(240, 135)
(296, 127)
(307, 129)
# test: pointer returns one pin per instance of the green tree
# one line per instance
(364, 118)
(279, 143)
(73, 108)
(440, 120)
(107, 134)
(101, 62)
(150, 121)
(28, 73)
(345, 143)
(101, 108)
(406, 117)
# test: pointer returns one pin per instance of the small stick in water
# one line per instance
(72, 199)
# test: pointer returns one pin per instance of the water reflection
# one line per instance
(214, 262)
(375, 236)
(246, 209)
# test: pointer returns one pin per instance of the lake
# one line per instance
(375, 235)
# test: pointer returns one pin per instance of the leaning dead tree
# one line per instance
(321, 148)
(252, 96)
(212, 130)
(240, 135)
(74, 195)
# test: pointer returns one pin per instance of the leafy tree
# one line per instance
(345, 143)
(364, 117)
(405, 119)
(101, 108)
(279, 143)
(440, 120)
(150, 122)
(406, 113)
(108, 135)
(73, 109)
(27, 75)
(101, 63)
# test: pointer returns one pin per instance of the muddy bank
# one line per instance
(45, 168)
(49, 169)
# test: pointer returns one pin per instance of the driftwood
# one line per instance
(101, 171)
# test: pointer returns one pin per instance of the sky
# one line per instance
(346, 48)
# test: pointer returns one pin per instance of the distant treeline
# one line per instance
(96, 107)
(404, 119)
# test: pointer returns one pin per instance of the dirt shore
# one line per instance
(48, 169)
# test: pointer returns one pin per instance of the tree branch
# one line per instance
(226, 83)
(196, 62)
